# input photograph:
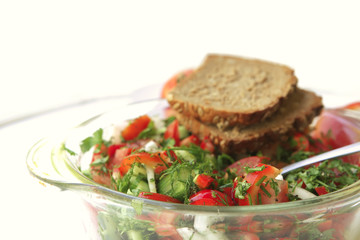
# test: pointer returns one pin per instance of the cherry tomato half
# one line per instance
(171, 83)
(158, 197)
(207, 145)
(209, 197)
(321, 190)
(301, 142)
(238, 167)
(192, 139)
(255, 179)
(135, 127)
(353, 106)
(337, 131)
(204, 181)
(152, 160)
(172, 131)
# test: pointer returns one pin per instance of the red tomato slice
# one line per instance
(152, 160)
(302, 143)
(117, 157)
(97, 173)
(101, 177)
(171, 83)
(192, 139)
(135, 127)
(172, 131)
(284, 190)
(353, 106)
(227, 191)
(210, 198)
(255, 179)
(318, 146)
(239, 166)
(270, 196)
(207, 145)
(112, 149)
(99, 152)
(164, 155)
(321, 190)
(158, 197)
(342, 130)
(204, 181)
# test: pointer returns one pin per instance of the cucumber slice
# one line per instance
(176, 182)
(165, 185)
(183, 132)
(180, 190)
(185, 155)
(138, 169)
(142, 186)
(183, 174)
(136, 180)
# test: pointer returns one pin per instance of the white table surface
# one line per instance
(57, 53)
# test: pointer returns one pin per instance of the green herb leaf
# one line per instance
(169, 120)
(241, 189)
(148, 132)
(260, 181)
(332, 174)
(265, 191)
(100, 161)
(89, 142)
(254, 169)
(300, 155)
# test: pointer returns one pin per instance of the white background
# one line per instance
(61, 52)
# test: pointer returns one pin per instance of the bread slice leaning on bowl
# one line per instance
(228, 90)
(294, 114)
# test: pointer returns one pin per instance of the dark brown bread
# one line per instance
(228, 90)
(295, 114)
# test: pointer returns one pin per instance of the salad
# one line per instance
(158, 159)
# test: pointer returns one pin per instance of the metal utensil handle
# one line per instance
(346, 150)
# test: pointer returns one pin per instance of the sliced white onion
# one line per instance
(302, 193)
(279, 177)
(151, 147)
(151, 179)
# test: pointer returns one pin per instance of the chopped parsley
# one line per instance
(148, 132)
(88, 143)
(100, 161)
(241, 189)
(254, 169)
(332, 174)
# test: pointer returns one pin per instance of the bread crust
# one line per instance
(228, 115)
(295, 114)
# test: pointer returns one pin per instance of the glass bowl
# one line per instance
(114, 215)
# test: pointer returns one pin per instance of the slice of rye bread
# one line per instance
(228, 90)
(295, 114)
